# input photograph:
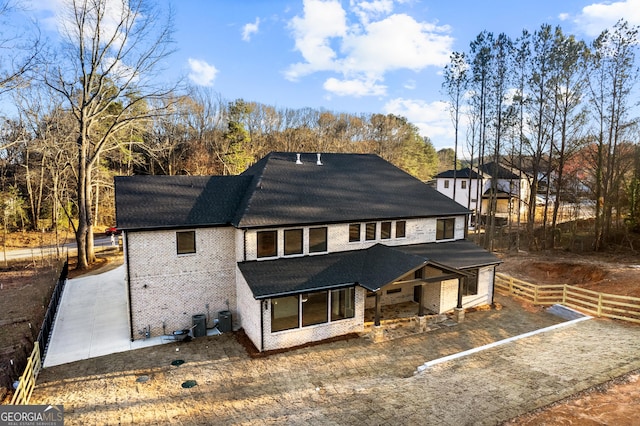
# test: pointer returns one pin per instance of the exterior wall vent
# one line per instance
(298, 161)
(319, 163)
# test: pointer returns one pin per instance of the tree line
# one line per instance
(560, 109)
(92, 107)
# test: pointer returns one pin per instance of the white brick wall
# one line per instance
(170, 288)
(417, 231)
(249, 312)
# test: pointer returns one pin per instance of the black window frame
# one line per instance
(321, 247)
(300, 241)
(367, 234)
(470, 285)
(385, 234)
(402, 223)
(352, 232)
(260, 251)
(445, 228)
(184, 245)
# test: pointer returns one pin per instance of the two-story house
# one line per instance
(296, 248)
(473, 184)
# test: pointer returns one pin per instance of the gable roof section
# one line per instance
(278, 192)
(155, 202)
(372, 268)
(486, 169)
(346, 187)
(500, 171)
(465, 173)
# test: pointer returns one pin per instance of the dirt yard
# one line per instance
(616, 402)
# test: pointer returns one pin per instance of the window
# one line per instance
(463, 184)
(401, 229)
(444, 229)
(267, 243)
(314, 308)
(186, 242)
(370, 231)
(354, 232)
(394, 290)
(284, 313)
(385, 230)
(317, 240)
(418, 274)
(343, 303)
(292, 241)
(470, 285)
(446, 183)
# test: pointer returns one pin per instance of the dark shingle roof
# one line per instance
(372, 268)
(276, 191)
(487, 168)
(345, 187)
(177, 201)
(465, 173)
(499, 171)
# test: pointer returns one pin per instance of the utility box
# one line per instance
(224, 321)
(200, 325)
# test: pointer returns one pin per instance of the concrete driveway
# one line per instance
(92, 320)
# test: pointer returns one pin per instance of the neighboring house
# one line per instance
(472, 184)
(296, 248)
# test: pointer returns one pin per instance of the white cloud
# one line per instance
(363, 45)
(432, 118)
(202, 73)
(367, 10)
(250, 29)
(599, 16)
(356, 88)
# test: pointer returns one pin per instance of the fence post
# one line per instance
(600, 305)
(510, 285)
(564, 294)
(535, 295)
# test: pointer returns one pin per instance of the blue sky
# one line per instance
(375, 56)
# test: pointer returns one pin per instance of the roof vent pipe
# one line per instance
(298, 161)
(319, 163)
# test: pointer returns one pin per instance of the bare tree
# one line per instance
(111, 53)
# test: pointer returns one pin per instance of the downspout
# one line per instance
(244, 245)
(261, 326)
(126, 254)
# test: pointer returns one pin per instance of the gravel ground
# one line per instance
(351, 382)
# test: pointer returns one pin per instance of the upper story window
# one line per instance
(385, 230)
(292, 241)
(186, 242)
(370, 231)
(401, 229)
(354, 232)
(267, 243)
(317, 239)
(446, 183)
(463, 184)
(445, 228)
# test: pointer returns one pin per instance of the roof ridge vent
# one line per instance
(318, 162)
(298, 161)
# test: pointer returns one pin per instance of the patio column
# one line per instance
(459, 310)
(376, 320)
(421, 299)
